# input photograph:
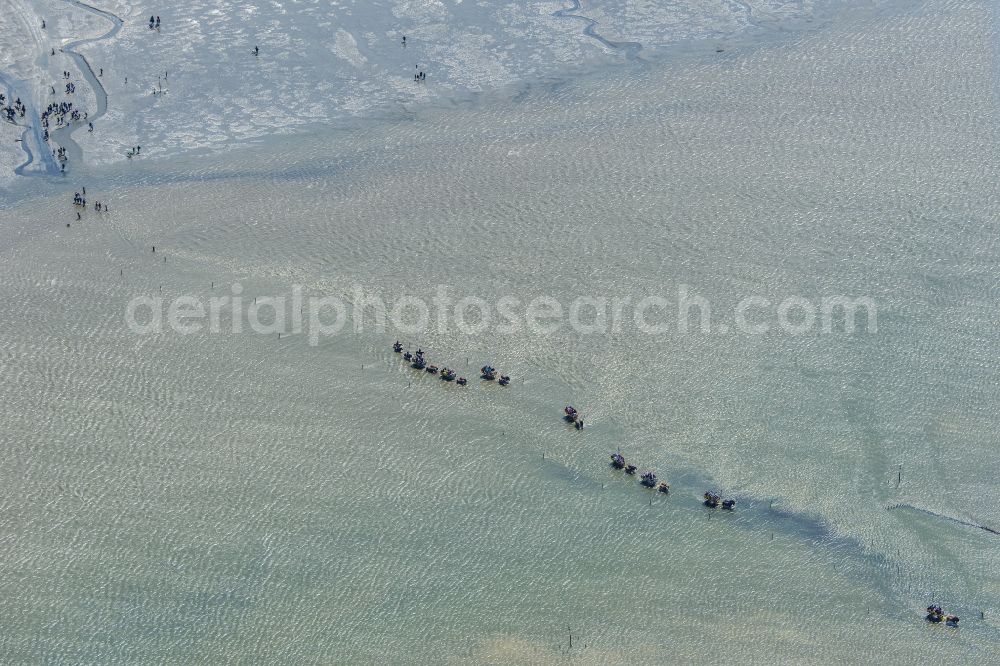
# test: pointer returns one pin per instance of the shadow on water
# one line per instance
(758, 517)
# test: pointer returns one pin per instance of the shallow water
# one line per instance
(238, 497)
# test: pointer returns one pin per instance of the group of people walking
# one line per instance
(62, 157)
(80, 201)
(62, 114)
(15, 110)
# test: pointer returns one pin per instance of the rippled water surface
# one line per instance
(239, 497)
